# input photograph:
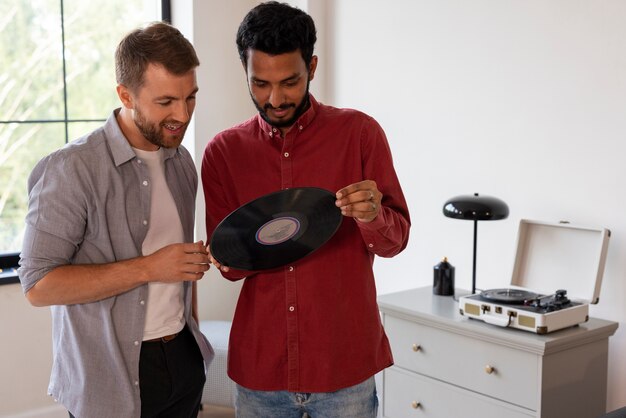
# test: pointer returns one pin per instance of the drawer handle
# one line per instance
(489, 369)
(416, 347)
(415, 404)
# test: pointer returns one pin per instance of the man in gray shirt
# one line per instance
(109, 245)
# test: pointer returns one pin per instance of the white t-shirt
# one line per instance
(165, 309)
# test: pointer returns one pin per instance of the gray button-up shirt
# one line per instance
(88, 204)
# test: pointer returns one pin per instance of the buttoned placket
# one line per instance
(144, 190)
(293, 372)
(286, 166)
(137, 343)
(286, 171)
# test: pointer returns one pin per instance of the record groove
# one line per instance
(508, 295)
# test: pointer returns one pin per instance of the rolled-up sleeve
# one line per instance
(55, 221)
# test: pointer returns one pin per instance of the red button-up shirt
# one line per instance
(314, 325)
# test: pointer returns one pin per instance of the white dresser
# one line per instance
(449, 366)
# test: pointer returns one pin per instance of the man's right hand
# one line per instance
(178, 262)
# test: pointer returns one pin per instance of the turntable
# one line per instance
(557, 273)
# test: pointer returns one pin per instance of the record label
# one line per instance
(276, 229)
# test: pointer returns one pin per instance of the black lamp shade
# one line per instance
(476, 208)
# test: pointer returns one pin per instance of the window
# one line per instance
(57, 82)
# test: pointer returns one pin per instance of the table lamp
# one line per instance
(475, 208)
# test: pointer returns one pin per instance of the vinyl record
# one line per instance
(276, 229)
(512, 296)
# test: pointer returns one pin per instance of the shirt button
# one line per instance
(290, 268)
(291, 309)
(142, 302)
(370, 245)
(136, 343)
(138, 161)
(300, 127)
(286, 155)
(136, 383)
(145, 182)
(271, 134)
(145, 222)
(274, 130)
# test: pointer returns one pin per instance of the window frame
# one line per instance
(9, 261)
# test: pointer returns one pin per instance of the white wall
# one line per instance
(522, 100)
(25, 357)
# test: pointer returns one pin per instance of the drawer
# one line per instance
(488, 368)
(408, 395)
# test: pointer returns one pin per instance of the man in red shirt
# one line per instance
(306, 337)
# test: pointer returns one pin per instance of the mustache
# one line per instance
(281, 107)
(172, 122)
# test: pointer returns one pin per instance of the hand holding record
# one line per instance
(360, 200)
(215, 262)
(276, 229)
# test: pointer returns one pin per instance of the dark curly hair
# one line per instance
(276, 28)
(158, 43)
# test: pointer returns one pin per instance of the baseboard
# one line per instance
(55, 411)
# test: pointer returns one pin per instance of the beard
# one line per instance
(299, 109)
(153, 132)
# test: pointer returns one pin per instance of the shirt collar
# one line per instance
(120, 147)
(301, 123)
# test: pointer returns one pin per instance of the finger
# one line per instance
(215, 262)
(358, 192)
(212, 259)
(355, 197)
(360, 196)
(196, 267)
(367, 209)
(196, 247)
(191, 264)
(354, 187)
(366, 199)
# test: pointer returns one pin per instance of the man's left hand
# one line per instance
(360, 200)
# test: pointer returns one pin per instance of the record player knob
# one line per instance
(416, 347)
(415, 404)
(489, 369)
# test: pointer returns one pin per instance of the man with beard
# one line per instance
(306, 337)
(109, 245)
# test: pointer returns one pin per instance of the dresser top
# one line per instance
(421, 306)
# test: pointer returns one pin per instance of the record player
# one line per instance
(557, 273)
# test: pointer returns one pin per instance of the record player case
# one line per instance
(447, 366)
(557, 272)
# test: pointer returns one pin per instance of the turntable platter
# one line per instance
(512, 296)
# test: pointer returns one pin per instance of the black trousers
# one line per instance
(171, 378)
